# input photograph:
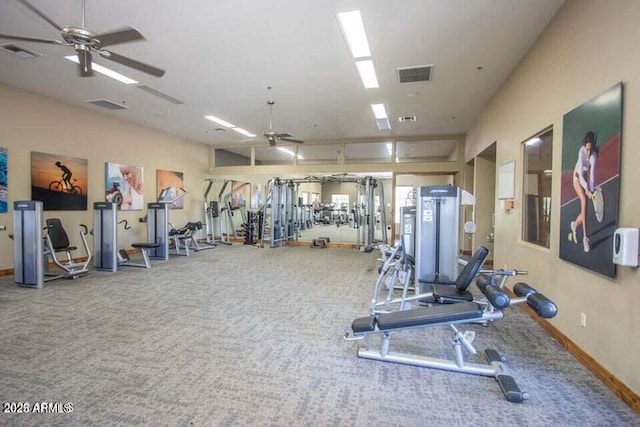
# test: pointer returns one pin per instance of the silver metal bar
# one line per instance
(428, 362)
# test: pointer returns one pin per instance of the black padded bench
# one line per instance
(144, 247)
(422, 316)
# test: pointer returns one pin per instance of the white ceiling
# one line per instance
(220, 57)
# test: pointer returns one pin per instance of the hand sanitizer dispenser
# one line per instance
(626, 246)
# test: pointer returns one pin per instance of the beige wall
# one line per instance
(30, 122)
(590, 46)
(484, 187)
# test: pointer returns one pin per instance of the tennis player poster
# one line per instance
(590, 183)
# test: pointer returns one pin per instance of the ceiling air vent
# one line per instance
(159, 94)
(403, 119)
(109, 105)
(20, 51)
(420, 73)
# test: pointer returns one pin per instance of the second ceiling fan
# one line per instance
(272, 136)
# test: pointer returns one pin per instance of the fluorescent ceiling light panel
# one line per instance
(353, 29)
(379, 111)
(367, 74)
(383, 124)
(104, 70)
(220, 121)
(244, 132)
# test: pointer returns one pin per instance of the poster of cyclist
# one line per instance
(124, 185)
(170, 188)
(3, 180)
(60, 182)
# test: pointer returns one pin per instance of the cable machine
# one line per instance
(437, 231)
(283, 215)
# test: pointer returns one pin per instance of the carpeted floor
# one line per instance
(246, 336)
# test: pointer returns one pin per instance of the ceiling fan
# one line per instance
(85, 42)
(272, 136)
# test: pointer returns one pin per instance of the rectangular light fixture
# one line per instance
(383, 124)
(379, 111)
(353, 29)
(244, 132)
(104, 70)
(367, 74)
(219, 121)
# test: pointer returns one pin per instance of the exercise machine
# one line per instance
(157, 231)
(105, 240)
(437, 229)
(452, 315)
(32, 249)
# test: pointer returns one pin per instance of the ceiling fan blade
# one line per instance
(84, 56)
(122, 35)
(40, 14)
(29, 39)
(297, 141)
(281, 135)
(132, 63)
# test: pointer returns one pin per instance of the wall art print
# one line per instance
(60, 182)
(124, 185)
(590, 182)
(170, 188)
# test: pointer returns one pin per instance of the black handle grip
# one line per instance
(86, 230)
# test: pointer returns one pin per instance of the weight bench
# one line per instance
(125, 261)
(451, 315)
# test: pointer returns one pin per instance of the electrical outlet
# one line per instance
(583, 320)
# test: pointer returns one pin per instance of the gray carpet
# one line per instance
(247, 336)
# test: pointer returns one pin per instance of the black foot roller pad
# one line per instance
(364, 324)
(510, 389)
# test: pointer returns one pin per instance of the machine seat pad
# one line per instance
(429, 315)
(364, 324)
(448, 293)
(146, 245)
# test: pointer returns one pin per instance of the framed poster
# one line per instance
(169, 188)
(3, 180)
(60, 182)
(124, 185)
(590, 182)
(239, 195)
(256, 196)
